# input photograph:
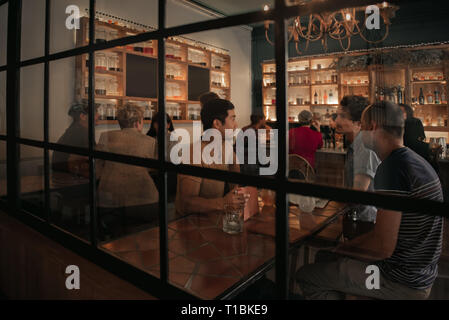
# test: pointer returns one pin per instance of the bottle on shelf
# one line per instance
(325, 98)
(101, 112)
(443, 97)
(147, 114)
(421, 96)
(399, 94)
(315, 98)
(437, 96)
(440, 121)
(110, 112)
(381, 94)
(331, 96)
(430, 98)
(376, 94)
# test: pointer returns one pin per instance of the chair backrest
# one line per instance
(300, 169)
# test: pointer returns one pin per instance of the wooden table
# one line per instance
(208, 263)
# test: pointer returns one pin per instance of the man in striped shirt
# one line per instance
(405, 246)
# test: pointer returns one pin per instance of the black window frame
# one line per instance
(160, 287)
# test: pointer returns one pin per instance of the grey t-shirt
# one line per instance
(361, 160)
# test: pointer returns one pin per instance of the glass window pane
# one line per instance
(63, 32)
(3, 33)
(3, 179)
(32, 102)
(213, 245)
(3, 102)
(128, 212)
(69, 194)
(32, 180)
(120, 18)
(33, 29)
(68, 119)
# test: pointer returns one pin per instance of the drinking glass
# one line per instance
(233, 218)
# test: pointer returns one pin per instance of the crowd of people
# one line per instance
(386, 153)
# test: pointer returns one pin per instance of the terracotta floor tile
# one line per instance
(205, 221)
(231, 245)
(260, 246)
(189, 235)
(183, 224)
(178, 278)
(247, 265)
(120, 245)
(204, 254)
(214, 235)
(181, 264)
(207, 287)
(183, 247)
(150, 258)
(218, 268)
(133, 257)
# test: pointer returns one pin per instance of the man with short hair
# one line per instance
(200, 195)
(206, 97)
(76, 135)
(360, 163)
(405, 246)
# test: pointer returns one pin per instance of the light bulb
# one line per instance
(266, 7)
(348, 17)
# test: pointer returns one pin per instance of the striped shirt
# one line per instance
(418, 248)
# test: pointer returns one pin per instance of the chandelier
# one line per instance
(340, 25)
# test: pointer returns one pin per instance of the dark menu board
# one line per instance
(199, 81)
(141, 76)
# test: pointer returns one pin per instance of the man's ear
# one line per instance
(216, 124)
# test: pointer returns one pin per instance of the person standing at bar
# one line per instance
(360, 163)
(304, 141)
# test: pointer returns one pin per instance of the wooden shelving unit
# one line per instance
(176, 71)
(369, 82)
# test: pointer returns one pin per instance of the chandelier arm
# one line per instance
(268, 39)
(349, 45)
(387, 31)
(297, 47)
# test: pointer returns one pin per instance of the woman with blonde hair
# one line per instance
(127, 195)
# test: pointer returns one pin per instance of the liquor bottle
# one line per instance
(421, 96)
(376, 94)
(325, 98)
(400, 99)
(381, 95)
(430, 98)
(437, 96)
(331, 96)
(443, 98)
(315, 98)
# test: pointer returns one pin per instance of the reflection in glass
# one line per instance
(32, 102)
(32, 180)
(69, 192)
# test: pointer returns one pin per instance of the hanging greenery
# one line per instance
(390, 58)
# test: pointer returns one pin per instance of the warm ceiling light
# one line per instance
(266, 7)
(385, 4)
(348, 17)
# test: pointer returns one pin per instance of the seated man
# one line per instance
(360, 163)
(125, 191)
(76, 135)
(405, 246)
(200, 195)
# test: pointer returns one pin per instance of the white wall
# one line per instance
(62, 86)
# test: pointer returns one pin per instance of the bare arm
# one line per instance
(193, 203)
(378, 244)
(361, 182)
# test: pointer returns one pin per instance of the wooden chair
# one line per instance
(300, 169)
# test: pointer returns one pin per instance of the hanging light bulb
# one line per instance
(266, 7)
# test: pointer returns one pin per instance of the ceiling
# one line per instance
(232, 7)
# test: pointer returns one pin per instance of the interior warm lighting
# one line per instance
(266, 7)
(340, 25)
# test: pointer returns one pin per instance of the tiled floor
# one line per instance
(204, 260)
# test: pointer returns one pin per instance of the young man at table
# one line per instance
(405, 246)
(360, 163)
(200, 195)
